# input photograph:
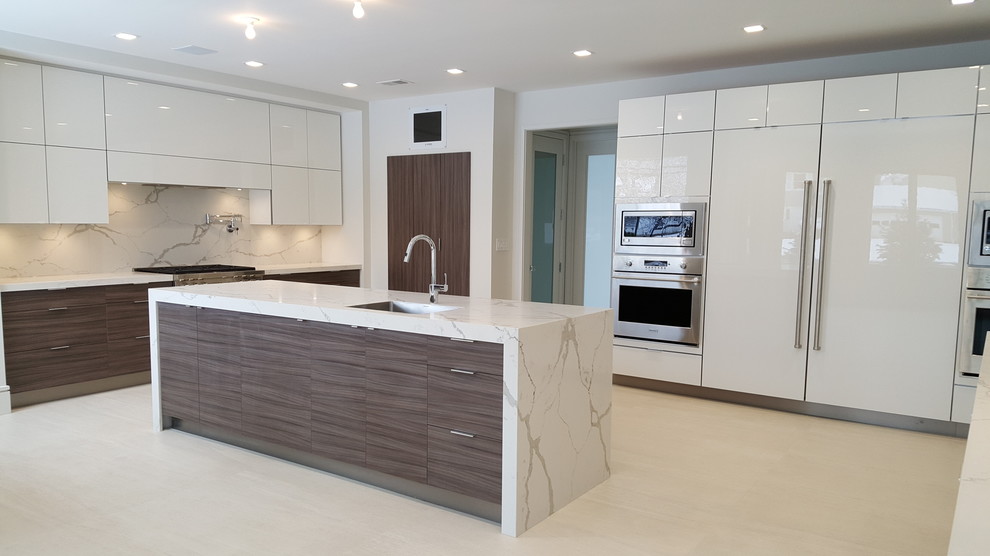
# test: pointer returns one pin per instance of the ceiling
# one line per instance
(517, 45)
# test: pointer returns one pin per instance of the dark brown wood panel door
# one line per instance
(429, 194)
(177, 352)
(220, 346)
(338, 398)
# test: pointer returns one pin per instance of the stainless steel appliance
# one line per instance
(660, 228)
(974, 325)
(658, 297)
(979, 234)
(185, 275)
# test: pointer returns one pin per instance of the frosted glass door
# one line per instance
(893, 250)
(753, 319)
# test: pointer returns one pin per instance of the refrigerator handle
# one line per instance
(808, 184)
(823, 247)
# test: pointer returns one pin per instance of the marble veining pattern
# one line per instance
(970, 534)
(154, 225)
(557, 379)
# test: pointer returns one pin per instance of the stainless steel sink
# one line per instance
(404, 307)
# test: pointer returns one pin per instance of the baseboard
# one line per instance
(31, 397)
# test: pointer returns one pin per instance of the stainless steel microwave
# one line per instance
(660, 229)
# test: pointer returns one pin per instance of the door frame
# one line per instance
(533, 138)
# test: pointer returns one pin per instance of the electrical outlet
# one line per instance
(501, 244)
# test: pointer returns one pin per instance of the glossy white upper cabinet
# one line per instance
(74, 113)
(23, 184)
(288, 135)
(156, 119)
(290, 195)
(637, 166)
(22, 118)
(981, 159)
(178, 170)
(77, 186)
(689, 112)
(872, 97)
(323, 140)
(983, 99)
(944, 92)
(687, 164)
(795, 103)
(325, 197)
(741, 108)
(641, 116)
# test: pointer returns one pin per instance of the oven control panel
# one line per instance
(659, 264)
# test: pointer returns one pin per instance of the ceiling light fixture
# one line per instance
(249, 31)
(455, 71)
(253, 64)
(582, 53)
(349, 85)
(358, 10)
(753, 28)
(126, 36)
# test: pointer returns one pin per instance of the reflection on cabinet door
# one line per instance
(759, 246)
(23, 184)
(888, 289)
(687, 164)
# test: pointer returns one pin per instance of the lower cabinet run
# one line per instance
(422, 408)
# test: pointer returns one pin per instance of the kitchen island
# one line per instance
(497, 408)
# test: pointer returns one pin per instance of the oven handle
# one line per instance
(661, 278)
(972, 296)
(804, 258)
(826, 188)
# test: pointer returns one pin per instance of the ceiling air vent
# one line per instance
(392, 82)
(193, 49)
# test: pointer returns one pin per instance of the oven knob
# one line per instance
(628, 263)
(683, 266)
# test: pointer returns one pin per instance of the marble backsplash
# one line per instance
(154, 225)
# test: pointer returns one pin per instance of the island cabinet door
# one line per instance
(219, 356)
(338, 392)
(178, 368)
(275, 380)
(396, 366)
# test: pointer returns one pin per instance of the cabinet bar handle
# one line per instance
(826, 189)
(58, 308)
(141, 301)
(803, 260)
(459, 371)
(60, 347)
(464, 434)
(142, 337)
(463, 340)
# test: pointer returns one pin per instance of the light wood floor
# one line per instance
(693, 477)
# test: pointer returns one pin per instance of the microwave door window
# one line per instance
(659, 226)
(656, 306)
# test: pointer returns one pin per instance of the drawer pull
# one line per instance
(460, 372)
(464, 434)
(142, 337)
(466, 340)
(58, 308)
(60, 347)
(141, 301)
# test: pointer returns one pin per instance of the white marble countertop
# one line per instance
(129, 277)
(472, 318)
(970, 527)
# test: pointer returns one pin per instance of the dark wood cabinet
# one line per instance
(430, 194)
(218, 358)
(328, 277)
(465, 463)
(338, 401)
(178, 350)
(128, 345)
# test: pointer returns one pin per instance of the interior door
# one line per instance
(547, 242)
(891, 253)
(756, 303)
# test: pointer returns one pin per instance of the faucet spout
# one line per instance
(435, 288)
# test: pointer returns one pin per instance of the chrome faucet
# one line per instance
(435, 288)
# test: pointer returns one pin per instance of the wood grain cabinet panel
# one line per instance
(219, 361)
(46, 368)
(330, 278)
(128, 355)
(467, 402)
(42, 300)
(396, 368)
(338, 392)
(275, 380)
(484, 357)
(55, 327)
(465, 464)
(177, 361)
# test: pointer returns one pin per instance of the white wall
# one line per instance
(345, 243)
(470, 128)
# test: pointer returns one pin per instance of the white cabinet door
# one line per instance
(795, 103)
(22, 118)
(77, 186)
(983, 98)
(325, 198)
(741, 108)
(689, 112)
(156, 119)
(945, 92)
(323, 140)
(637, 166)
(290, 195)
(74, 114)
(23, 184)
(178, 170)
(894, 235)
(981, 155)
(851, 99)
(288, 135)
(687, 164)
(753, 314)
(641, 116)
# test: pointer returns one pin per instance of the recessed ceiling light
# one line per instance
(165, 107)
(249, 23)
(126, 36)
(958, 2)
(349, 85)
(582, 53)
(455, 71)
(754, 28)
(253, 64)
